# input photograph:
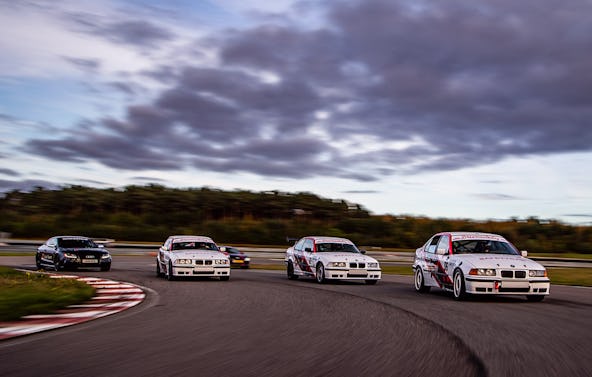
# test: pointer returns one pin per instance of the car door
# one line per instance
(163, 253)
(430, 261)
(442, 261)
(48, 250)
(300, 255)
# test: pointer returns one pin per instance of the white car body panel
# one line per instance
(198, 262)
(438, 266)
(356, 266)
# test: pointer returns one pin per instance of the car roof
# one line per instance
(72, 237)
(328, 239)
(184, 238)
(459, 236)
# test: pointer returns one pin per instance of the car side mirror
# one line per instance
(362, 251)
(524, 253)
(308, 250)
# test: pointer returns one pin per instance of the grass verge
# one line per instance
(570, 276)
(29, 293)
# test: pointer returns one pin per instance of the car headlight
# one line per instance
(221, 261)
(537, 273)
(183, 261)
(247, 259)
(373, 265)
(70, 255)
(336, 264)
(105, 256)
(482, 271)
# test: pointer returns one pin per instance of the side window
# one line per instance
(299, 244)
(432, 246)
(443, 245)
(167, 244)
(308, 245)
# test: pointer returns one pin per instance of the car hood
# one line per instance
(198, 254)
(345, 257)
(499, 261)
(84, 250)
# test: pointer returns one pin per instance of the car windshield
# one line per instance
(194, 245)
(341, 247)
(75, 243)
(483, 246)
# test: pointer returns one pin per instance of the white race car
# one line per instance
(478, 263)
(186, 256)
(330, 258)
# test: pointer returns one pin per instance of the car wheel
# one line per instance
(38, 262)
(169, 274)
(535, 298)
(106, 267)
(371, 282)
(224, 278)
(418, 281)
(459, 290)
(56, 263)
(290, 271)
(320, 273)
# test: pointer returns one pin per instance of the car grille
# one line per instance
(201, 262)
(357, 265)
(511, 274)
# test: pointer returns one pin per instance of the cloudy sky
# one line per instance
(458, 109)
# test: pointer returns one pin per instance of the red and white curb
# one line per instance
(110, 297)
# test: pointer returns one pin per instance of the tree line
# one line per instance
(153, 212)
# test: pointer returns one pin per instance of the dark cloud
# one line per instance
(496, 196)
(9, 172)
(464, 83)
(130, 31)
(361, 192)
(26, 185)
(90, 65)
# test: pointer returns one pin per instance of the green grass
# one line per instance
(570, 276)
(31, 293)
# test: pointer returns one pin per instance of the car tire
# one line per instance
(535, 298)
(158, 271)
(320, 276)
(169, 273)
(106, 267)
(458, 286)
(56, 263)
(371, 282)
(38, 262)
(290, 271)
(224, 278)
(419, 282)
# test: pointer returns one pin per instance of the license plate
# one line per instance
(89, 261)
(238, 261)
(514, 284)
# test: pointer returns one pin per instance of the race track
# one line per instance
(262, 324)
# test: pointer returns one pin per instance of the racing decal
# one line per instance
(440, 275)
(302, 262)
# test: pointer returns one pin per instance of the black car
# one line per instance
(71, 252)
(237, 257)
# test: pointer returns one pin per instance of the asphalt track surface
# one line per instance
(262, 324)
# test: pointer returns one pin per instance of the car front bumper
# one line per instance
(209, 271)
(537, 286)
(352, 274)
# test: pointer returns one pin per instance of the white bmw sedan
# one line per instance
(330, 258)
(187, 256)
(466, 263)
